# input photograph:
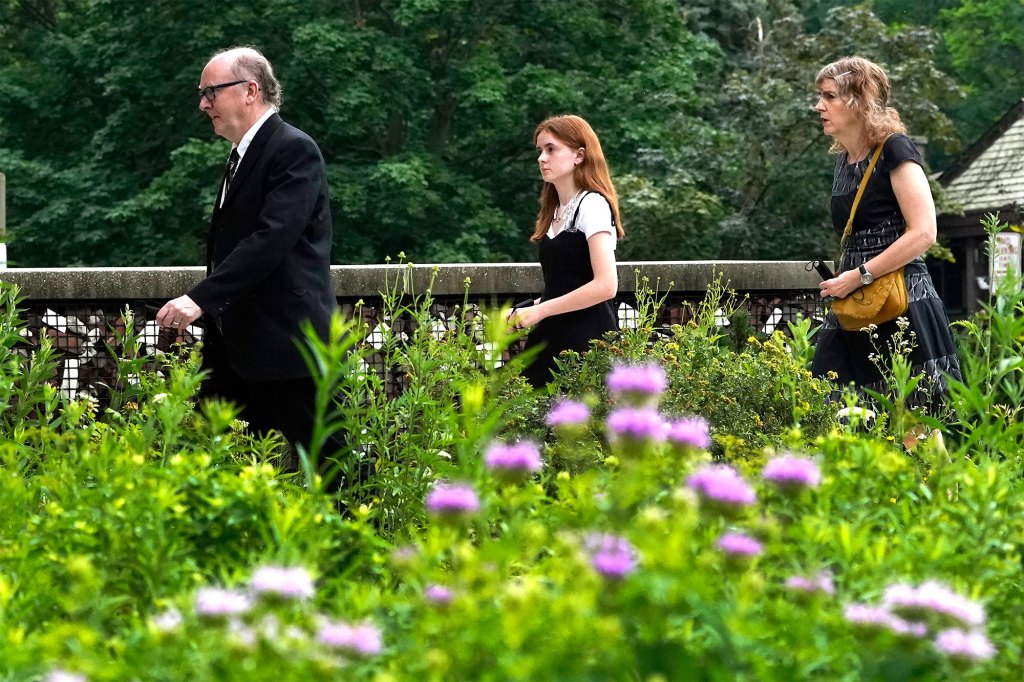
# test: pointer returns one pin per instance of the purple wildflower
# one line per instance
(691, 433)
(404, 556)
(515, 461)
(568, 413)
(966, 647)
(867, 615)
(452, 499)
(284, 582)
(790, 472)
(610, 555)
(932, 598)
(438, 594)
(819, 584)
(720, 485)
(216, 602)
(363, 639)
(639, 383)
(636, 423)
(880, 618)
(906, 628)
(739, 545)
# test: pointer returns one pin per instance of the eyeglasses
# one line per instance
(210, 91)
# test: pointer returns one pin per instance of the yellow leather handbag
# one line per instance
(885, 298)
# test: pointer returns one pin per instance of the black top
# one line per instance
(565, 263)
(879, 203)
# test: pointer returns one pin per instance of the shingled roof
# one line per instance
(990, 175)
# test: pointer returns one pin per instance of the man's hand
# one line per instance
(179, 313)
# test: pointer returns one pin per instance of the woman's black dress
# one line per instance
(565, 264)
(877, 224)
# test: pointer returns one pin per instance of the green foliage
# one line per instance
(425, 111)
(775, 166)
(987, 48)
(109, 514)
(989, 400)
(752, 391)
(28, 398)
(981, 48)
(397, 419)
(115, 520)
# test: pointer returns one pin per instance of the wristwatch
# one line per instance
(866, 277)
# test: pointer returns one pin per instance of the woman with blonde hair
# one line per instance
(577, 228)
(893, 226)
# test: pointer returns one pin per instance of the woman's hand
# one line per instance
(522, 318)
(842, 285)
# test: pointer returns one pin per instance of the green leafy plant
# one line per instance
(651, 560)
(988, 401)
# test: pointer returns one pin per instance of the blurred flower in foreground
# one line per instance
(363, 639)
(692, 432)
(721, 487)
(636, 424)
(819, 584)
(284, 582)
(269, 627)
(452, 500)
(242, 634)
(637, 384)
(216, 602)
(610, 555)
(58, 675)
(869, 617)
(933, 600)
(513, 462)
(965, 647)
(438, 595)
(792, 473)
(568, 417)
(404, 556)
(168, 621)
(739, 545)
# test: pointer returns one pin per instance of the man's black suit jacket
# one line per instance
(268, 258)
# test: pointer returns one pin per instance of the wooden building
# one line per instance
(987, 178)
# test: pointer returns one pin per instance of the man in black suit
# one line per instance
(268, 252)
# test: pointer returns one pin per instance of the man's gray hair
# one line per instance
(249, 63)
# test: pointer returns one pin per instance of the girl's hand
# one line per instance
(526, 317)
(511, 321)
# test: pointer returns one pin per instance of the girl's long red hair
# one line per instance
(591, 174)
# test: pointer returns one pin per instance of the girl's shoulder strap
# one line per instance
(572, 223)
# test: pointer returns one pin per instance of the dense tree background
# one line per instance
(425, 111)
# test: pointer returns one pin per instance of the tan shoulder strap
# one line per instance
(860, 191)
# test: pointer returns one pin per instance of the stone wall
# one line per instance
(83, 310)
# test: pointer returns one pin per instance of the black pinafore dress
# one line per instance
(565, 264)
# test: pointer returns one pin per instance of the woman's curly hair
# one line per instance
(864, 86)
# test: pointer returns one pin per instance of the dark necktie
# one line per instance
(229, 171)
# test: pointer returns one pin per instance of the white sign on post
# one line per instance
(1006, 259)
(3, 221)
